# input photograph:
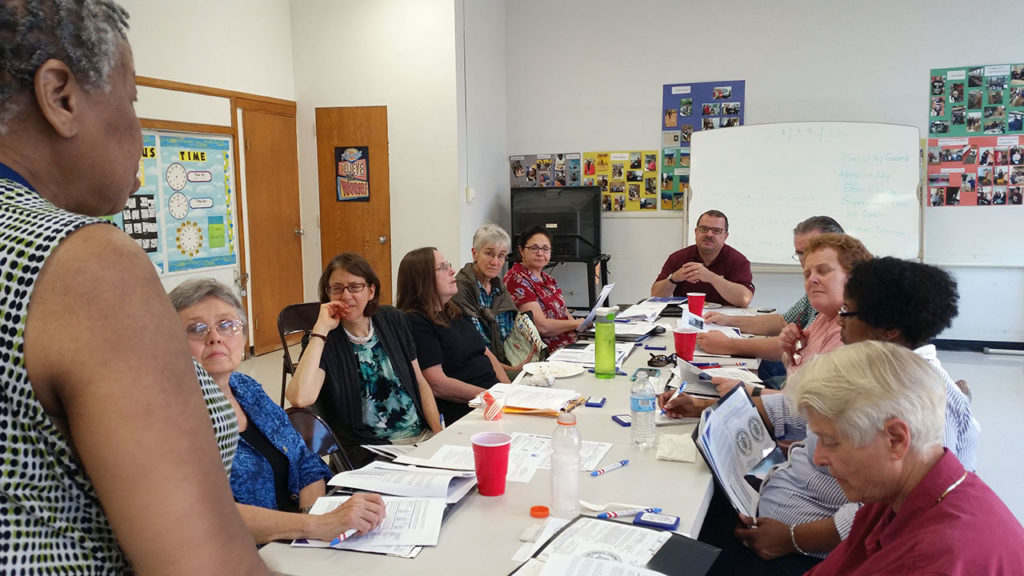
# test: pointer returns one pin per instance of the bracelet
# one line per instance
(792, 538)
(320, 336)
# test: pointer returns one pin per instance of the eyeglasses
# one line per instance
(445, 267)
(798, 256)
(339, 289)
(536, 248)
(200, 330)
(715, 231)
(659, 360)
(491, 255)
(846, 313)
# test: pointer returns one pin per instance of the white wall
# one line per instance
(587, 75)
(399, 54)
(483, 163)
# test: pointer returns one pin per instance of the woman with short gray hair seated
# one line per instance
(274, 474)
(482, 295)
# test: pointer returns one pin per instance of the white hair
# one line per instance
(861, 386)
(491, 234)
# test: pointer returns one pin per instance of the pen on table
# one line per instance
(675, 394)
(649, 347)
(342, 537)
(574, 404)
(627, 512)
(609, 468)
(617, 372)
(622, 320)
(707, 364)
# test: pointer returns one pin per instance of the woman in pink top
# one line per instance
(827, 264)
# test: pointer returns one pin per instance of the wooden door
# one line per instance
(356, 226)
(275, 232)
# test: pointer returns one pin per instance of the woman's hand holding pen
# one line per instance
(767, 538)
(362, 512)
(682, 405)
(792, 339)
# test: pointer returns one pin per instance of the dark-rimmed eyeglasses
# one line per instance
(353, 288)
(715, 231)
(536, 248)
(659, 360)
(200, 330)
(844, 312)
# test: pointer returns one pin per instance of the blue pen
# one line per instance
(676, 394)
(442, 421)
(622, 321)
(343, 536)
(649, 347)
(617, 371)
(609, 468)
(626, 512)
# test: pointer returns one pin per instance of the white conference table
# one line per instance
(482, 534)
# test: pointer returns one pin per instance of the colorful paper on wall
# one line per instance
(628, 180)
(545, 170)
(687, 108)
(975, 153)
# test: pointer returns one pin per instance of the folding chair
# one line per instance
(319, 437)
(293, 319)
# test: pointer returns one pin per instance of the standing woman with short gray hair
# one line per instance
(110, 460)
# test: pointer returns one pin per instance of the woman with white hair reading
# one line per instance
(879, 413)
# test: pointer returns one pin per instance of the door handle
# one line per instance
(300, 232)
(382, 239)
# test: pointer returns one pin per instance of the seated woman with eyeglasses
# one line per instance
(536, 292)
(455, 361)
(274, 474)
(364, 378)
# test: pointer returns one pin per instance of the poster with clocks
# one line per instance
(198, 225)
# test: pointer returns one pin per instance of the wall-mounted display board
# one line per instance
(768, 177)
(686, 109)
(975, 166)
(628, 180)
(182, 215)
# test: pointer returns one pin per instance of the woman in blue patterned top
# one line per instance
(274, 474)
(364, 378)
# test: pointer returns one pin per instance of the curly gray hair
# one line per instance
(84, 34)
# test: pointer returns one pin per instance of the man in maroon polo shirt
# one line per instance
(709, 266)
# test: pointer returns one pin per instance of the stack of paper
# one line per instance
(532, 399)
(387, 478)
(584, 355)
(409, 523)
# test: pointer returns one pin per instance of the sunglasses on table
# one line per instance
(659, 360)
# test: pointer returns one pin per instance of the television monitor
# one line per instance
(571, 214)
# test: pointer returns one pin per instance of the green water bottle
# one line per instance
(604, 342)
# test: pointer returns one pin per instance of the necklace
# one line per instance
(359, 339)
(951, 487)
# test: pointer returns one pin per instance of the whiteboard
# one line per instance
(768, 177)
(990, 236)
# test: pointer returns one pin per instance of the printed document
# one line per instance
(399, 480)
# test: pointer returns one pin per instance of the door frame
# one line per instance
(236, 101)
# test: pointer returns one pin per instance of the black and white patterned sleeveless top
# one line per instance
(50, 517)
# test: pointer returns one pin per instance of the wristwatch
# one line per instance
(673, 281)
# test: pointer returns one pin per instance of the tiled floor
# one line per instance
(996, 381)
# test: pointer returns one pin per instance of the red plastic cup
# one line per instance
(695, 302)
(686, 341)
(490, 455)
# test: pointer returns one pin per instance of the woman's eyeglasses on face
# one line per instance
(200, 330)
(659, 360)
(536, 248)
(339, 289)
(445, 267)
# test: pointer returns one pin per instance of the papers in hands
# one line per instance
(408, 523)
(593, 311)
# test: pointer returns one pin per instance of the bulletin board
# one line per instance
(183, 216)
(768, 177)
(974, 205)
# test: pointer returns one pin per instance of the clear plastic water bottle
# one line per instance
(604, 343)
(565, 467)
(641, 407)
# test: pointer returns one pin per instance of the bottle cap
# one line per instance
(539, 511)
(566, 419)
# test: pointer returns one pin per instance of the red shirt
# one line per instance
(729, 264)
(970, 531)
(524, 287)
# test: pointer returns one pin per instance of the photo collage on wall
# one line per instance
(975, 155)
(688, 108)
(545, 170)
(628, 180)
